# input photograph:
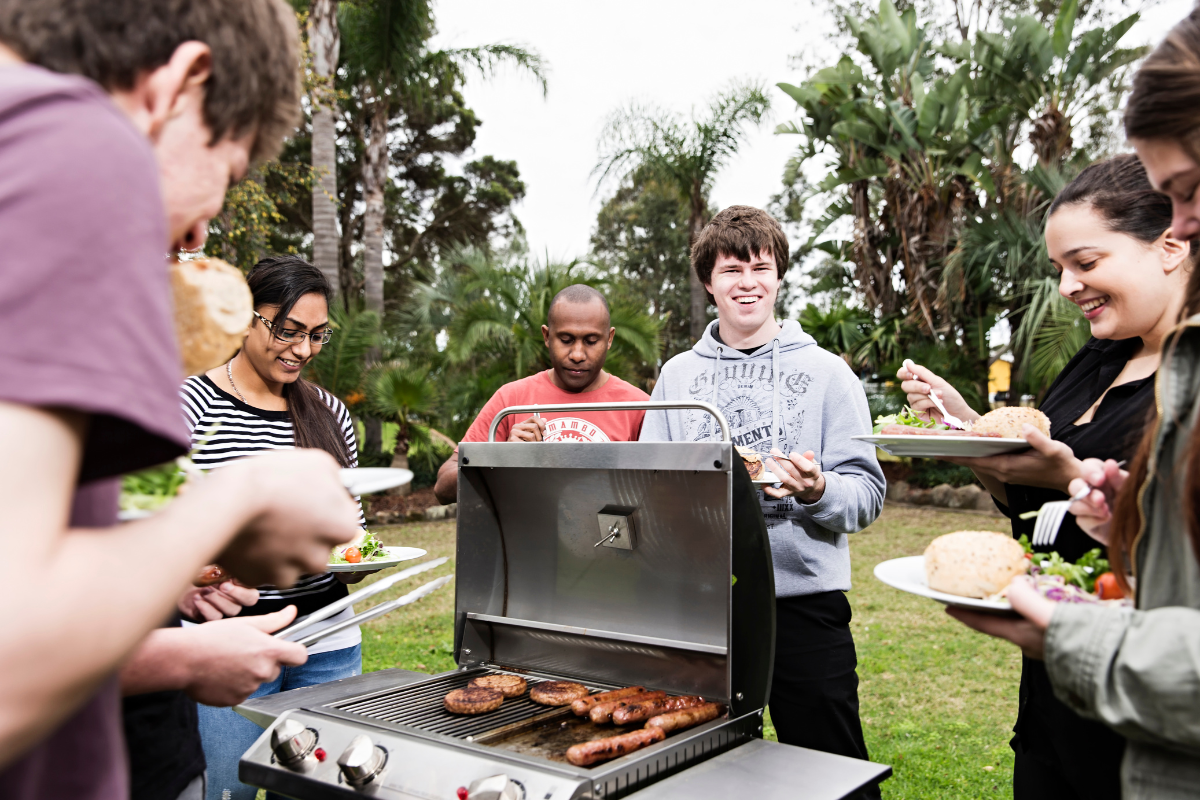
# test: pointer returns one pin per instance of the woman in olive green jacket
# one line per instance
(1138, 670)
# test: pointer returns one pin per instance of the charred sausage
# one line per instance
(210, 575)
(584, 704)
(603, 712)
(581, 755)
(639, 711)
(684, 718)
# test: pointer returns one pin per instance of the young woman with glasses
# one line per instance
(254, 403)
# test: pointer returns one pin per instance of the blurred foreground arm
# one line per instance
(98, 593)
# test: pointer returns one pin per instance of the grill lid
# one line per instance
(544, 585)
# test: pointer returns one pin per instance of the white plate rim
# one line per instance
(922, 589)
(413, 553)
(911, 441)
(369, 480)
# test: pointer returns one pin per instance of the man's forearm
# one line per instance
(159, 664)
(446, 487)
(98, 594)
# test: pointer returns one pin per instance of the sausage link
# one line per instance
(640, 711)
(603, 712)
(212, 574)
(685, 718)
(584, 704)
(581, 755)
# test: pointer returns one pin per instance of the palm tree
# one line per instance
(685, 155)
(839, 329)
(339, 367)
(324, 43)
(406, 395)
(385, 50)
(495, 314)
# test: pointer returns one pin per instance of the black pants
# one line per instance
(814, 692)
(1059, 754)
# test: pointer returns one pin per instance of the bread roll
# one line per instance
(213, 309)
(973, 563)
(1007, 422)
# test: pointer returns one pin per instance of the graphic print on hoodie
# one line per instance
(796, 396)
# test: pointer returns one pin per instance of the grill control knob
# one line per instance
(292, 742)
(361, 761)
(497, 787)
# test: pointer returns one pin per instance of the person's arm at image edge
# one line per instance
(99, 593)
(446, 487)
(1137, 672)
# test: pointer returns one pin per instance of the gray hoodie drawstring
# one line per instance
(716, 381)
(774, 392)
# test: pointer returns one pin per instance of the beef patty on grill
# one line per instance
(557, 693)
(473, 700)
(507, 685)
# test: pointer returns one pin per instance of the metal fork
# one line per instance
(947, 417)
(1051, 515)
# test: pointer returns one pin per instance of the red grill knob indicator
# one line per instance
(319, 753)
(462, 793)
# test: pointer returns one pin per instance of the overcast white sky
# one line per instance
(674, 54)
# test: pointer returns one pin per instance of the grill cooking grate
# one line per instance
(420, 706)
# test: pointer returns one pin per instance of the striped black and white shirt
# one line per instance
(225, 429)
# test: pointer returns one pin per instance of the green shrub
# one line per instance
(929, 472)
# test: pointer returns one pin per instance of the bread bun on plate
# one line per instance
(752, 460)
(1007, 422)
(973, 563)
(213, 309)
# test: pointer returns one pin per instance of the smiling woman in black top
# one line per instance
(1108, 237)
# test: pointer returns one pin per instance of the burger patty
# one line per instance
(507, 685)
(557, 693)
(473, 700)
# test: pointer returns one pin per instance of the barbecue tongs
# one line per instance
(376, 611)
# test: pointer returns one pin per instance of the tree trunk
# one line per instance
(697, 219)
(324, 42)
(375, 169)
(400, 461)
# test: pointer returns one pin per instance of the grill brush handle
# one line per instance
(650, 405)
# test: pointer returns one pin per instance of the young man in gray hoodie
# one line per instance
(801, 423)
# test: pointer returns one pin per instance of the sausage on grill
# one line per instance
(603, 712)
(638, 710)
(685, 718)
(581, 755)
(584, 704)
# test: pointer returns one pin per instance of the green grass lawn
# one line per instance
(938, 700)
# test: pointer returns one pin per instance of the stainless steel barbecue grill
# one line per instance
(612, 565)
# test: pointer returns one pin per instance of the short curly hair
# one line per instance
(739, 231)
(254, 87)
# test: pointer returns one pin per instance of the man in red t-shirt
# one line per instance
(578, 335)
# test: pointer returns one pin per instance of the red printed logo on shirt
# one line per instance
(573, 429)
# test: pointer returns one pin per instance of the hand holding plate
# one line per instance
(799, 476)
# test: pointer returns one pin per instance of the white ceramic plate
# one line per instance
(939, 446)
(908, 575)
(368, 480)
(768, 479)
(395, 555)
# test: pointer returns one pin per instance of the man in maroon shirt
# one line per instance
(89, 375)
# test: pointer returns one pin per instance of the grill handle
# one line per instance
(649, 405)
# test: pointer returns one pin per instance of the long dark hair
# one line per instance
(1119, 190)
(281, 281)
(1164, 105)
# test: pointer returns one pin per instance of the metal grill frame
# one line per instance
(609, 780)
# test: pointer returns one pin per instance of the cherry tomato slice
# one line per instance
(1107, 587)
(352, 555)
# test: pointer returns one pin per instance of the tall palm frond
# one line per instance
(339, 366)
